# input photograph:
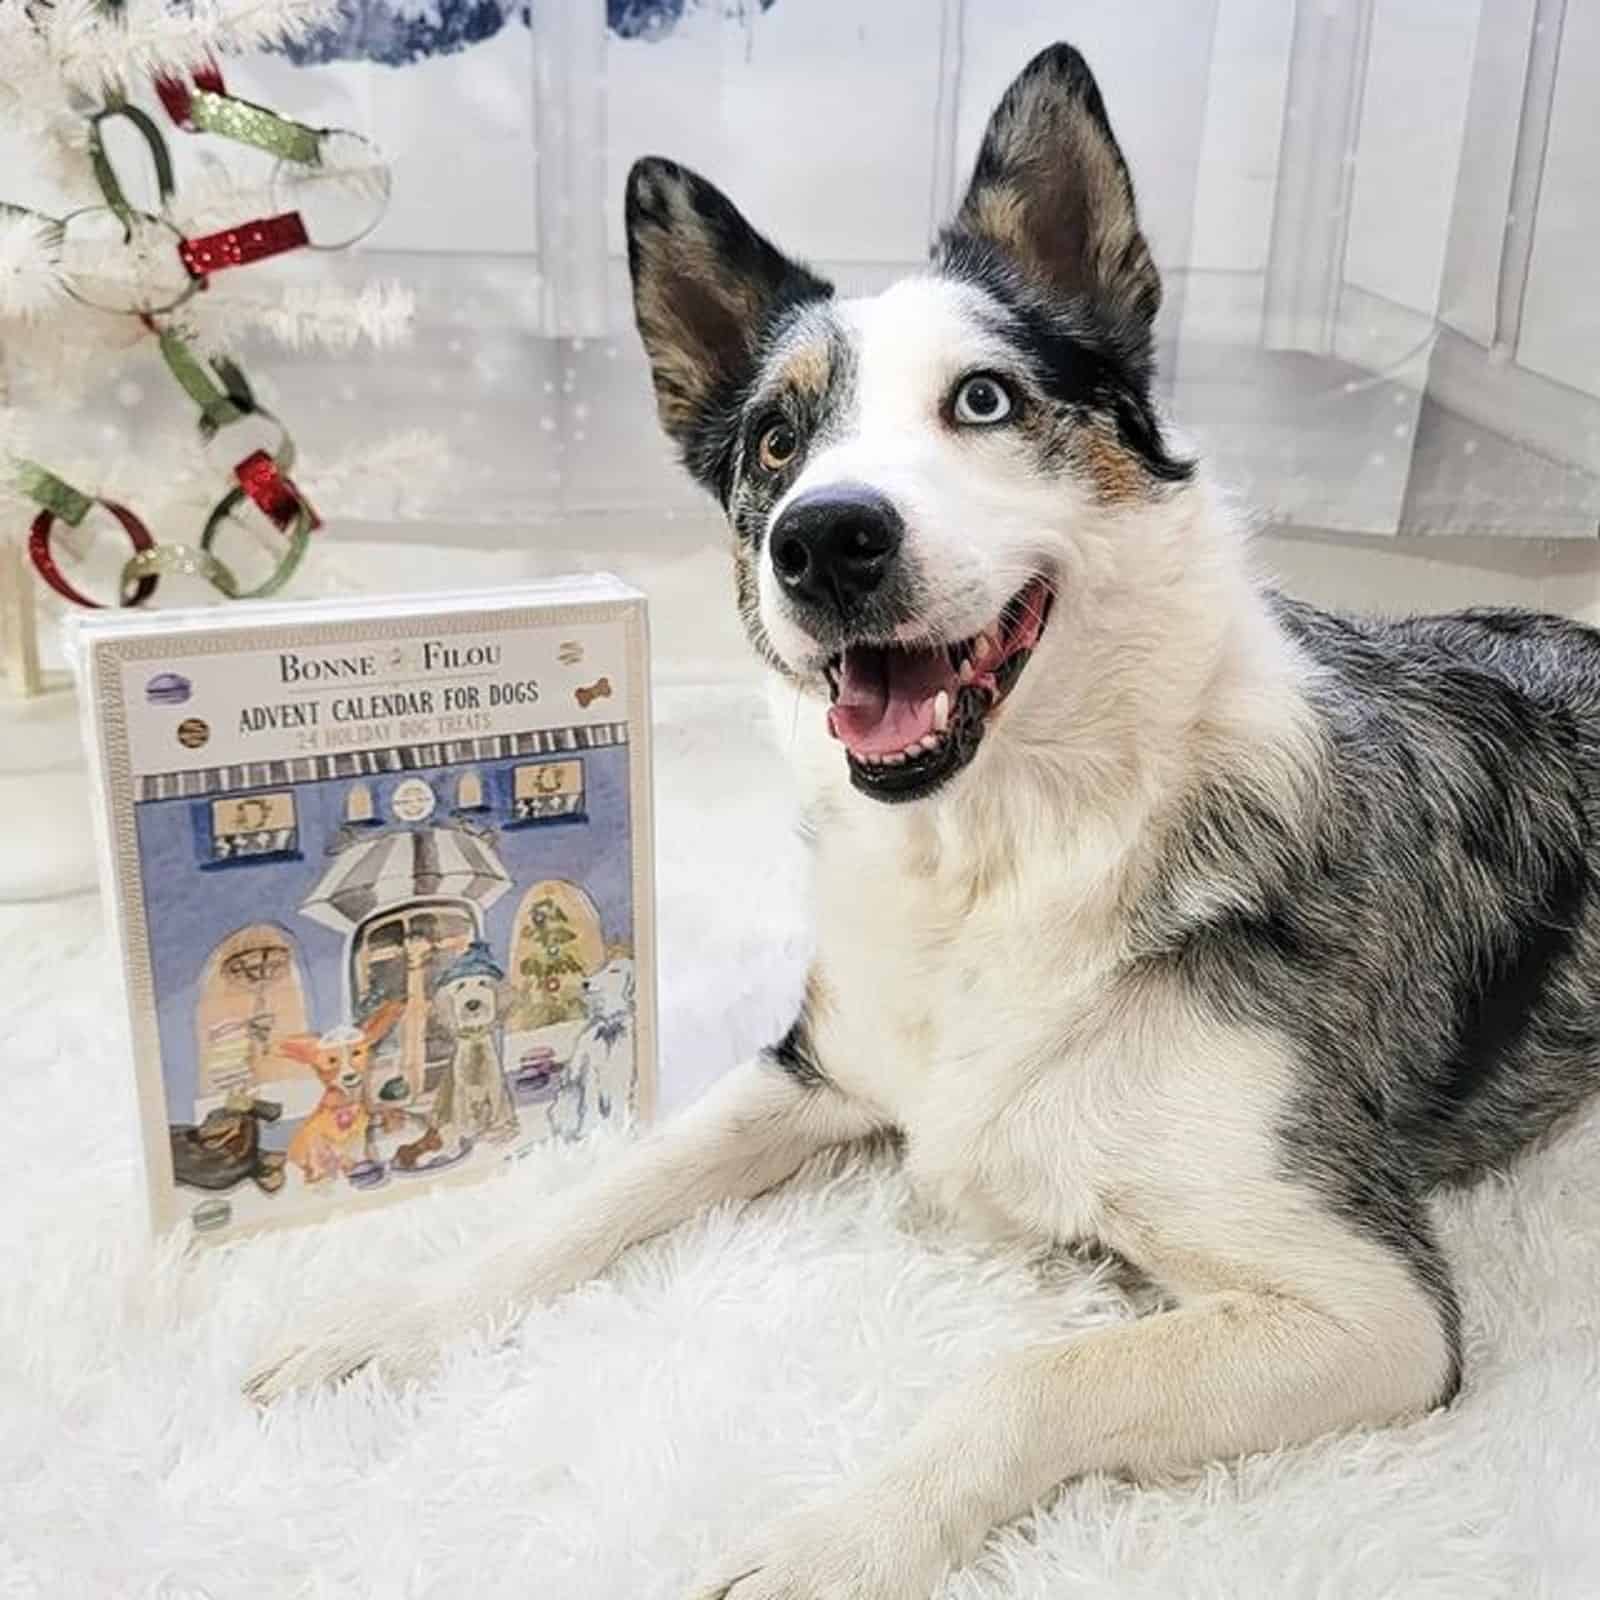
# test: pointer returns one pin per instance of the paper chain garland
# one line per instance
(201, 105)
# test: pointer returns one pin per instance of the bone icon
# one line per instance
(600, 689)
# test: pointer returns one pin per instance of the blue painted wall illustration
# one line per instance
(192, 909)
(395, 34)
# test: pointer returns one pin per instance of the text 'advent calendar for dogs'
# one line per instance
(381, 884)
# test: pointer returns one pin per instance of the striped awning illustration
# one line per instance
(407, 864)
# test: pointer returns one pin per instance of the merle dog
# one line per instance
(1154, 909)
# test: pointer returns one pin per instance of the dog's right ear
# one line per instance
(706, 290)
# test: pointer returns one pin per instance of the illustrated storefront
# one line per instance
(294, 897)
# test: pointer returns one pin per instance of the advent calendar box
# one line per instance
(381, 885)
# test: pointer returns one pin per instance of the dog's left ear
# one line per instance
(706, 290)
(1051, 192)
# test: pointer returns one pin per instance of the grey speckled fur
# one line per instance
(1422, 923)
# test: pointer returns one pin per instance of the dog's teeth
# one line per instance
(894, 758)
(929, 742)
(941, 707)
(966, 669)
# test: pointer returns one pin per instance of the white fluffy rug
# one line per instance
(715, 1377)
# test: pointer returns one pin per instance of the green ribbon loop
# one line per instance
(45, 489)
(105, 174)
(235, 382)
(299, 537)
(248, 123)
(218, 407)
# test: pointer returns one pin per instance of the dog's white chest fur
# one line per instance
(949, 1002)
(987, 1016)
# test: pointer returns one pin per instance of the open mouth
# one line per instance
(911, 716)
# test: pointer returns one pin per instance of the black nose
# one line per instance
(832, 546)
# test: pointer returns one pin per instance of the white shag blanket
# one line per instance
(714, 1378)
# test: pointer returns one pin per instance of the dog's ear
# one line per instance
(706, 290)
(1051, 192)
(306, 1048)
(380, 1020)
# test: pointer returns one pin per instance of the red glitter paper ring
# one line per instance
(243, 245)
(44, 561)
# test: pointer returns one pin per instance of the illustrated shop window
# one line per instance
(469, 792)
(251, 996)
(254, 827)
(359, 811)
(550, 791)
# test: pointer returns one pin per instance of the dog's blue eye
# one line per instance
(981, 400)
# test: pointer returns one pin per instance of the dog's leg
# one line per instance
(1230, 1372)
(749, 1132)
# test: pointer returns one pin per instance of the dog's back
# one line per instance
(1423, 922)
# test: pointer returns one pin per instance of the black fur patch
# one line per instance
(794, 1055)
(814, 340)
(1086, 360)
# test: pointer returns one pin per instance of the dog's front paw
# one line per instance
(400, 1342)
(843, 1553)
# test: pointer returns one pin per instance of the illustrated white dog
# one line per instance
(1153, 909)
(599, 1077)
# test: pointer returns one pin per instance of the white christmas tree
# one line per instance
(139, 203)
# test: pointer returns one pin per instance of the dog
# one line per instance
(1154, 909)
(337, 1136)
(472, 1101)
(600, 1073)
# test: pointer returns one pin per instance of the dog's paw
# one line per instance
(401, 1343)
(841, 1553)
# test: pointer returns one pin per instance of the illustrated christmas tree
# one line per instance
(142, 209)
(550, 971)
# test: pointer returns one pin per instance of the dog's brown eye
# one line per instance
(778, 446)
(980, 400)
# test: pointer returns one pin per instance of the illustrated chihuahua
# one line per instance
(337, 1135)
(1154, 909)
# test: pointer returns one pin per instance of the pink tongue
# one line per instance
(886, 697)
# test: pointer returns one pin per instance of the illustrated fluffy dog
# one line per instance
(1154, 909)
(599, 1077)
(472, 1100)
